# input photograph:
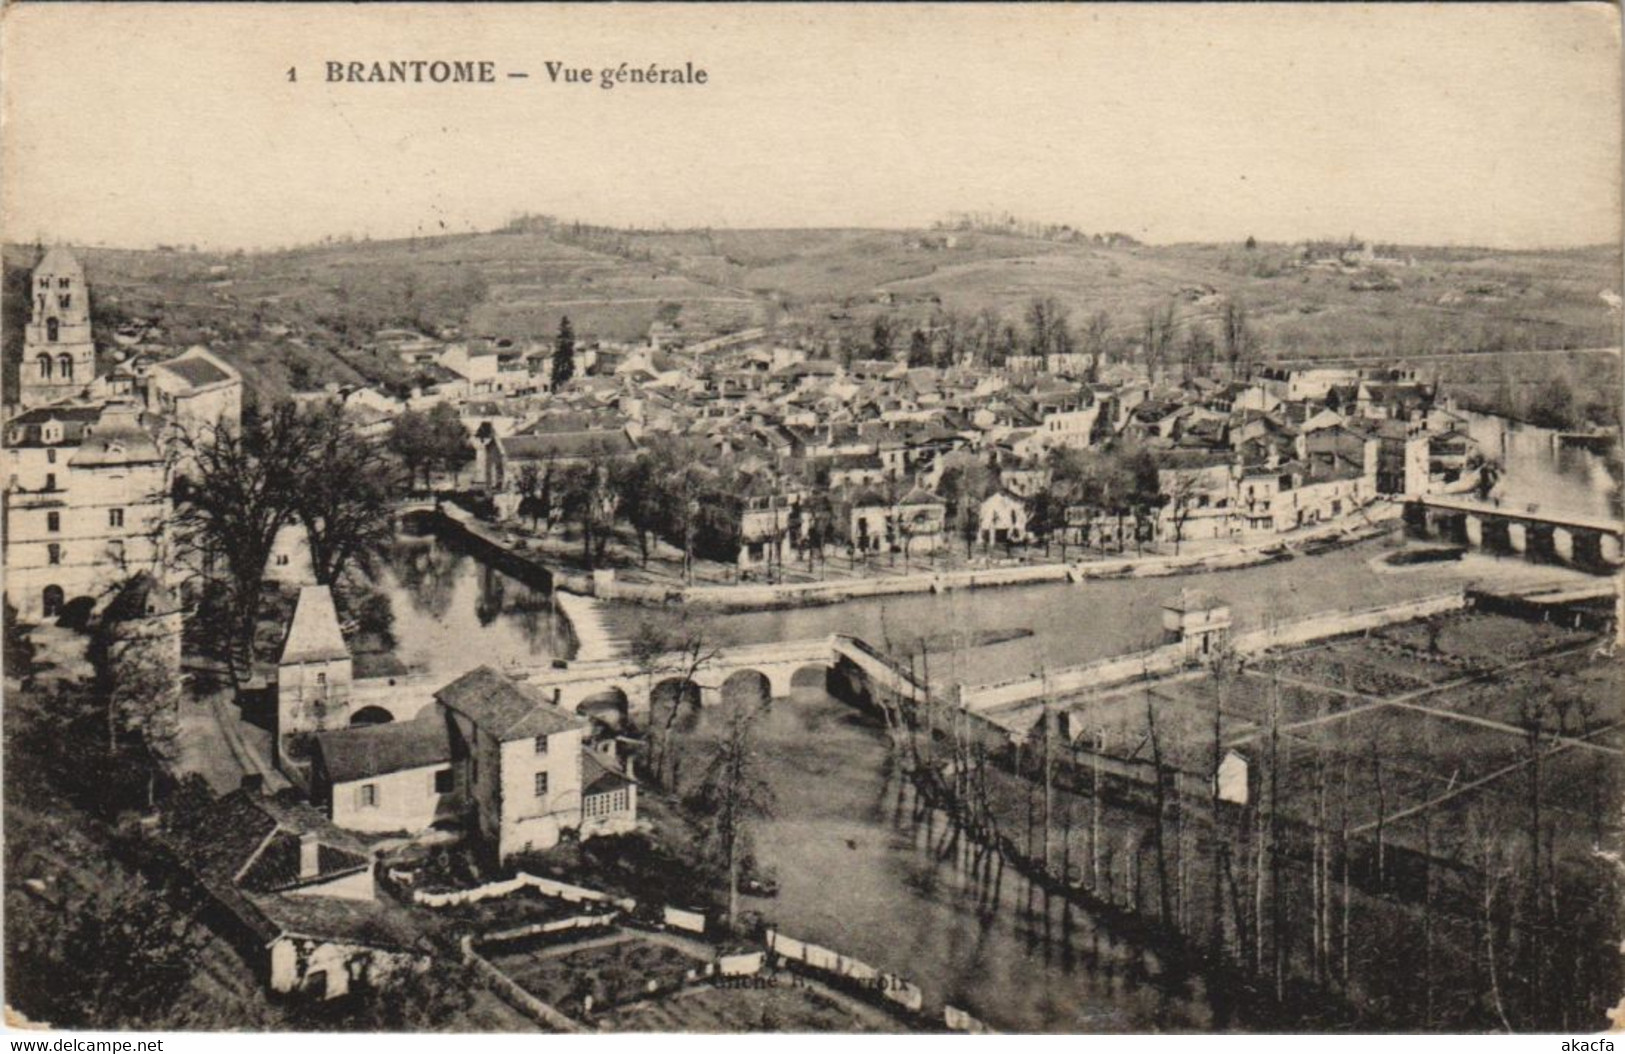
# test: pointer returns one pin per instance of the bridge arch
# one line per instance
(611, 707)
(371, 715)
(812, 675)
(747, 686)
(679, 694)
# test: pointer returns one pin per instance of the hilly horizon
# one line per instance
(295, 318)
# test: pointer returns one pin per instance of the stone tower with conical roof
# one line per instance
(59, 357)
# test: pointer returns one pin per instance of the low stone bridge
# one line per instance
(777, 666)
(1592, 543)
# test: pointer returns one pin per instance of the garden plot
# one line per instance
(1483, 640)
(1418, 666)
(1252, 695)
(1365, 673)
(773, 1004)
(611, 970)
(522, 907)
(1584, 699)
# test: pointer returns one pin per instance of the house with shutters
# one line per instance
(390, 777)
(518, 759)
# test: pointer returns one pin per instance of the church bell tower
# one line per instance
(59, 357)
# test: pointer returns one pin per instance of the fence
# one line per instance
(896, 989)
(515, 995)
(545, 886)
(552, 926)
(678, 919)
(957, 1020)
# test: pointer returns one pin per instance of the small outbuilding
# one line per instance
(392, 777)
(1199, 620)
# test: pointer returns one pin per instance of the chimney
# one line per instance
(309, 855)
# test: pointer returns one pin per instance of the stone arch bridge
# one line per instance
(778, 663)
(1591, 543)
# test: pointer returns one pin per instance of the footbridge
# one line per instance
(1592, 543)
(777, 666)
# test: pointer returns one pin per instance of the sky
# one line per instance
(1484, 124)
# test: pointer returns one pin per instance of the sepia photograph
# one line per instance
(792, 518)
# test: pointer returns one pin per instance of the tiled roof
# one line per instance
(504, 707)
(195, 370)
(360, 753)
(116, 445)
(920, 496)
(373, 924)
(600, 774)
(23, 430)
(276, 866)
(314, 635)
(242, 845)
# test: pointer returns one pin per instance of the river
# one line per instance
(861, 869)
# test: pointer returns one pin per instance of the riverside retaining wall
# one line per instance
(1171, 657)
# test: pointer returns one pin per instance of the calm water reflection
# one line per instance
(453, 612)
(865, 868)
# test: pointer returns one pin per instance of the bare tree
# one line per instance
(671, 648)
(733, 794)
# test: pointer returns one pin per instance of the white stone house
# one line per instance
(1001, 520)
(518, 759)
(389, 777)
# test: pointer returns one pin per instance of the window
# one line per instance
(50, 481)
(321, 679)
(44, 364)
(64, 366)
(115, 517)
(444, 782)
(65, 299)
(52, 331)
(541, 785)
(62, 283)
(53, 553)
(53, 521)
(607, 804)
(541, 744)
(282, 559)
(50, 456)
(45, 283)
(367, 796)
